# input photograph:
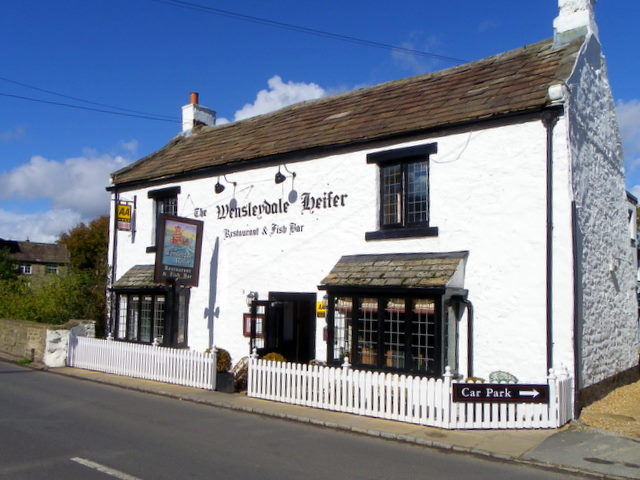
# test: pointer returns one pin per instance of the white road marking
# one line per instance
(101, 468)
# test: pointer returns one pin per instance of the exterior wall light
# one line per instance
(251, 297)
(279, 178)
(219, 187)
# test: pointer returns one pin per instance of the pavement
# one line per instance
(573, 448)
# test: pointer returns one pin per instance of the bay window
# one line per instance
(148, 317)
(398, 332)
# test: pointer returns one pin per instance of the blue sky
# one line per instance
(147, 55)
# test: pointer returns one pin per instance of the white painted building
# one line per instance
(475, 217)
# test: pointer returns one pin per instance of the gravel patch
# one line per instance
(618, 412)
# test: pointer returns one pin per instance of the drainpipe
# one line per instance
(469, 306)
(549, 120)
(577, 312)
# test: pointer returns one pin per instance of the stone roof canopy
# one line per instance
(138, 277)
(405, 270)
(513, 82)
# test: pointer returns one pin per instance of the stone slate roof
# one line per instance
(137, 277)
(34, 252)
(512, 82)
(407, 270)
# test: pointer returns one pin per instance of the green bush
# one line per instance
(54, 301)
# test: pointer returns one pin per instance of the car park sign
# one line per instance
(500, 392)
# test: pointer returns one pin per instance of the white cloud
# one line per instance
(14, 134)
(417, 64)
(278, 95)
(130, 147)
(75, 188)
(37, 227)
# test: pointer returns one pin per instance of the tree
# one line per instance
(88, 246)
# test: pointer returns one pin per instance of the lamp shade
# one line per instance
(280, 177)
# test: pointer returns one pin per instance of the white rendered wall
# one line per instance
(487, 196)
(608, 332)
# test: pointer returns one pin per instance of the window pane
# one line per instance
(260, 315)
(423, 333)
(368, 331)
(394, 338)
(391, 195)
(145, 318)
(122, 317)
(168, 205)
(132, 320)
(158, 318)
(417, 207)
(342, 328)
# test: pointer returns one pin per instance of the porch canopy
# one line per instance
(138, 277)
(398, 270)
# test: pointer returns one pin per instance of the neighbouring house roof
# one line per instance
(512, 82)
(137, 277)
(406, 270)
(34, 252)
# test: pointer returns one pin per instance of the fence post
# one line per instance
(253, 356)
(554, 400)
(446, 397)
(346, 365)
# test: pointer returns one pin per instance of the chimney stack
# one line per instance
(575, 19)
(195, 114)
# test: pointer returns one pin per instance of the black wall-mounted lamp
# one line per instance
(279, 178)
(219, 188)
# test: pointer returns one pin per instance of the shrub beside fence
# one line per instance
(169, 365)
(419, 400)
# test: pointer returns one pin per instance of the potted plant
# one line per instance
(224, 378)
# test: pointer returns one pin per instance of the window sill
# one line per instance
(409, 232)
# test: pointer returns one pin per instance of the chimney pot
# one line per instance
(193, 98)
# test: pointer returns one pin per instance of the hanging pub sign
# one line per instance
(178, 250)
(124, 215)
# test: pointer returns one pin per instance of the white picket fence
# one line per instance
(169, 365)
(424, 401)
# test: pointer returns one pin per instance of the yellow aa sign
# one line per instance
(124, 213)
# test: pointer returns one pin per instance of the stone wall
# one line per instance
(607, 329)
(40, 342)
